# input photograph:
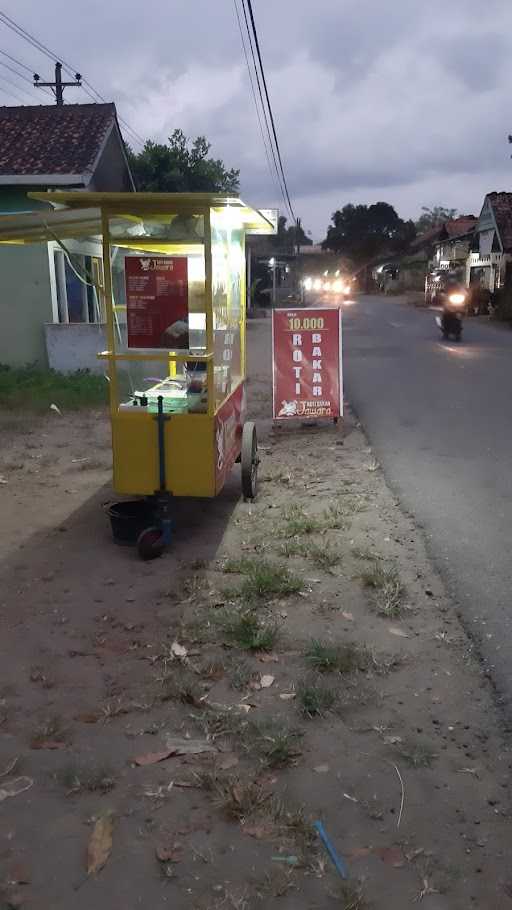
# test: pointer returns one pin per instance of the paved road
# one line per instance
(439, 416)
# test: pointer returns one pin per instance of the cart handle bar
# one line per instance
(167, 355)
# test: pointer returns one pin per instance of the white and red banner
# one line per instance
(156, 301)
(307, 363)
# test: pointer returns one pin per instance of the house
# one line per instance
(49, 315)
(490, 260)
(453, 245)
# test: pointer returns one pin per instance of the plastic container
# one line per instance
(129, 518)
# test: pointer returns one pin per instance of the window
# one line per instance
(77, 279)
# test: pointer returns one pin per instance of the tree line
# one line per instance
(360, 232)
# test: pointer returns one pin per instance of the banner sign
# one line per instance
(307, 364)
(157, 301)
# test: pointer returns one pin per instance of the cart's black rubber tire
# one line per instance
(150, 543)
(250, 461)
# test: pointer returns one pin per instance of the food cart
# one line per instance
(173, 298)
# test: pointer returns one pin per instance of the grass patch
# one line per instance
(325, 657)
(315, 698)
(77, 778)
(276, 743)
(417, 755)
(335, 518)
(239, 674)
(293, 547)
(51, 730)
(237, 799)
(365, 553)
(179, 684)
(323, 557)
(250, 633)
(263, 579)
(241, 566)
(387, 587)
(30, 388)
(298, 523)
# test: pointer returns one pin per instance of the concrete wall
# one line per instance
(25, 304)
(74, 346)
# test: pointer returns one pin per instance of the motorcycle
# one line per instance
(450, 322)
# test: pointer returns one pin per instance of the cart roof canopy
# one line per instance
(79, 214)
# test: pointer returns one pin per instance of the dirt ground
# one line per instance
(179, 726)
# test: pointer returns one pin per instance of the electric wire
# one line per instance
(253, 91)
(272, 121)
(43, 49)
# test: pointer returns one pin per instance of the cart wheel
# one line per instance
(250, 461)
(150, 543)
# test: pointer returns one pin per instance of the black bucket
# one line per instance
(129, 518)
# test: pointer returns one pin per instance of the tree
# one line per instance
(431, 218)
(286, 239)
(180, 168)
(363, 232)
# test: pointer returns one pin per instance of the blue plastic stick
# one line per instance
(337, 860)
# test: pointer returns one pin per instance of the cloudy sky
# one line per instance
(405, 101)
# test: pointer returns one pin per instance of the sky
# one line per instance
(402, 101)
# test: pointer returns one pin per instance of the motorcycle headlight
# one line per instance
(338, 286)
(308, 284)
(317, 284)
(457, 299)
(327, 285)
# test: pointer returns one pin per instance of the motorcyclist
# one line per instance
(453, 300)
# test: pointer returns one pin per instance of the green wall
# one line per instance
(14, 199)
(25, 303)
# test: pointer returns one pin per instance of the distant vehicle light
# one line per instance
(338, 286)
(327, 285)
(317, 284)
(308, 284)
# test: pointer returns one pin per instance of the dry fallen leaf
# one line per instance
(287, 696)
(152, 758)
(392, 856)
(392, 740)
(259, 832)
(50, 744)
(178, 651)
(321, 769)
(100, 844)
(347, 615)
(267, 681)
(400, 632)
(174, 747)
(268, 658)
(15, 787)
(169, 854)
(358, 853)
(244, 708)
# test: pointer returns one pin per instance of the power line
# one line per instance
(10, 92)
(18, 62)
(263, 108)
(274, 131)
(20, 76)
(43, 49)
(267, 154)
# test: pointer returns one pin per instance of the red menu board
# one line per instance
(157, 301)
(306, 363)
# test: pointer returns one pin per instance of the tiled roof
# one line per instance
(53, 139)
(457, 227)
(502, 208)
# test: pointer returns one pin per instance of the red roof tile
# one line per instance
(53, 139)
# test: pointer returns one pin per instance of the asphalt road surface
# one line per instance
(439, 416)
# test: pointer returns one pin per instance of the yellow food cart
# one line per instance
(172, 295)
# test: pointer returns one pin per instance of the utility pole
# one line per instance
(58, 86)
